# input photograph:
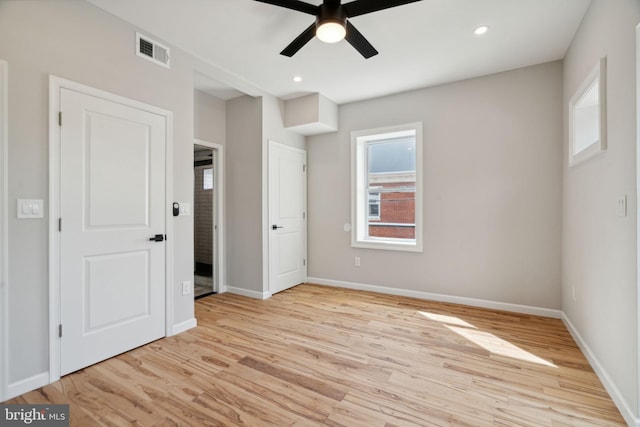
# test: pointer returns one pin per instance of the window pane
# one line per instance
(392, 173)
(207, 179)
(396, 155)
(374, 205)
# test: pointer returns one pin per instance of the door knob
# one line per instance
(275, 227)
(157, 238)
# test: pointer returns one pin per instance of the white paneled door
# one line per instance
(287, 206)
(112, 208)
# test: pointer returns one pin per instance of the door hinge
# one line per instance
(304, 215)
(60, 118)
(60, 331)
(59, 224)
(304, 262)
(304, 168)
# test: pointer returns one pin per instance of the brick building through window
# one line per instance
(392, 204)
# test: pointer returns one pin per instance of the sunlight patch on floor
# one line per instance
(450, 320)
(496, 345)
(486, 340)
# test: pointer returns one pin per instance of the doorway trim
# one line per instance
(220, 278)
(638, 212)
(55, 86)
(4, 235)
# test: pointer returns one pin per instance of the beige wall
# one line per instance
(492, 190)
(76, 41)
(599, 248)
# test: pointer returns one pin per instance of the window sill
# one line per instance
(387, 245)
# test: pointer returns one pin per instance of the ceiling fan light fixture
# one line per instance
(331, 22)
(331, 31)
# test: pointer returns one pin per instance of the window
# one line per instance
(387, 188)
(588, 116)
(207, 179)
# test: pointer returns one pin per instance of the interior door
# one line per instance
(287, 206)
(112, 200)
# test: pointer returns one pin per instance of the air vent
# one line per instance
(153, 51)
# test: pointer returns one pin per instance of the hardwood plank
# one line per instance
(316, 355)
(303, 381)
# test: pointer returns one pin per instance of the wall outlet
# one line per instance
(186, 287)
(357, 262)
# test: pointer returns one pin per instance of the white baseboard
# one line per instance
(27, 385)
(602, 374)
(495, 305)
(184, 326)
(248, 293)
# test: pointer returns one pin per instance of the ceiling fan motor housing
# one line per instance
(331, 12)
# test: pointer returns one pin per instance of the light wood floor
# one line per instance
(315, 355)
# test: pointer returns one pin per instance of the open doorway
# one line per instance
(205, 220)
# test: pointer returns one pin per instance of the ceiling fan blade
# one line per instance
(300, 41)
(294, 5)
(361, 7)
(357, 40)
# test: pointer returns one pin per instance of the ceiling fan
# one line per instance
(332, 22)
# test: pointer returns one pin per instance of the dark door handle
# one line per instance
(157, 238)
(275, 227)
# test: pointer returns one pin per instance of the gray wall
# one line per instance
(243, 187)
(76, 41)
(492, 190)
(273, 125)
(209, 118)
(599, 248)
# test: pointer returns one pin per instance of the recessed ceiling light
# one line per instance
(481, 30)
(297, 79)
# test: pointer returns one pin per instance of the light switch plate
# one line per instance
(186, 287)
(30, 208)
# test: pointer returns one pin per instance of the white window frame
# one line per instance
(359, 189)
(579, 152)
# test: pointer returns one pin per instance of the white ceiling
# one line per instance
(421, 44)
